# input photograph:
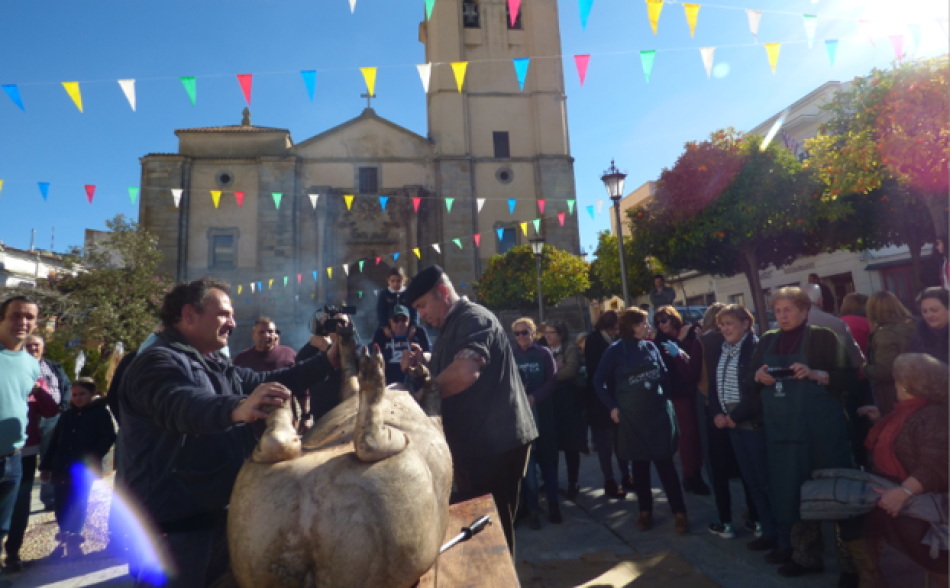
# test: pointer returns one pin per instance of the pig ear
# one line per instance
(376, 351)
(364, 351)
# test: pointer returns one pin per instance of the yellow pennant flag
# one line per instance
(72, 88)
(459, 67)
(369, 74)
(692, 12)
(270, 283)
(1, 185)
(216, 197)
(524, 227)
(416, 251)
(773, 49)
(330, 272)
(239, 289)
(349, 201)
(654, 8)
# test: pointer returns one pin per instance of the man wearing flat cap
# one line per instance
(485, 412)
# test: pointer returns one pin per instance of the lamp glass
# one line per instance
(537, 246)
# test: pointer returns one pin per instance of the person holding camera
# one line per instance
(803, 378)
(324, 395)
(398, 341)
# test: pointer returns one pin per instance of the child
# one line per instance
(392, 297)
(82, 437)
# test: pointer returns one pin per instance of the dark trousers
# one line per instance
(11, 471)
(499, 475)
(21, 508)
(668, 478)
(72, 502)
(198, 559)
(604, 440)
(530, 487)
(751, 452)
(724, 467)
(573, 461)
(690, 444)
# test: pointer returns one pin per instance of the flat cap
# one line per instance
(422, 283)
(399, 310)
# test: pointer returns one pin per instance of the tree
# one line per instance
(730, 206)
(605, 269)
(510, 282)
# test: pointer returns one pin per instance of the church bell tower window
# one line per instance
(502, 147)
(470, 14)
(369, 180)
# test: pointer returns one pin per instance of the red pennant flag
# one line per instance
(299, 278)
(478, 240)
(378, 259)
(239, 196)
(245, 81)
(416, 200)
(560, 218)
(541, 205)
(90, 191)
(582, 61)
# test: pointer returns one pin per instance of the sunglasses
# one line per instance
(522, 333)
(400, 319)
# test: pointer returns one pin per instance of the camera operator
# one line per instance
(182, 406)
(398, 341)
(325, 394)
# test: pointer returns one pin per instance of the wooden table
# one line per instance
(480, 562)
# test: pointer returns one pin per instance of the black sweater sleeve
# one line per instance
(299, 376)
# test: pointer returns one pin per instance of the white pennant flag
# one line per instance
(600, 206)
(176, 194)
(708, 54)
(128, 86)
(346, 269)
(481, 203)
(755, 16)
(425, 72)
(352, 6)
(253, 287)
(296, 296)
(437, 248)
(376, 292)
(313, 200)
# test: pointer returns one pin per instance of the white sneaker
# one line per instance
(724, 530)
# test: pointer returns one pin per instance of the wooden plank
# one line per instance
(480, 562)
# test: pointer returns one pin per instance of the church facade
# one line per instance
(491, 141)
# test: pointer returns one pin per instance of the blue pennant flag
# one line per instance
(501, 234)
(590, 209)
(309, 78)
(585, 5)
(14, 93)
(259, 289)
(395, 256)
(511, 205)
(44, 189)
(383, 200)
(314, 275)
(521, 70)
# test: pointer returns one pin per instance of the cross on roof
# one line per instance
(368, 97)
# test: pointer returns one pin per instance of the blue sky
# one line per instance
(615, 115)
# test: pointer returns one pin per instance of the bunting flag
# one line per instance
(478, 241)
(692, 13)
(501, 234)
(417, 252)
(277, 196)
(582, 61)
(524, 229)
(330, 272)
(590, 209)
(259, 287)
(831, 46)
(191, 86)
(514, 7)
(459, 68)
(654, 8)
(755, 17)
(511, 205)
(253, 289)
(395, 256)
(708, 54)
(310, 81)
(811, 23)
(362, 262)
(346, 268)
(239, 197)
(352, 6)
(773, 50)
(176, 195)
(570, 206)
(378, 259)
(369, 74)
(72, 88)
(246, 80)
(448, 204)
(314, 275)
(44, 189)
(521, 70)
(584, 6)
(416, 201)
(313, 200)
(560, 218)
(270, 283)
(430, 4)
(239, 289)
(128, 88)
(646, 59)
(867, 27)
(480, 202)
(382, 201)
(425, 73)
(437, 248)
(915, 35)
(90, 192)
(285, 281)
(133, 193)
(349, 201)
(537, 226)
(360, 292)
(14, 93)
(299, 279)
(216, 197)
(541, 203)
(897, 42)
(458, 242)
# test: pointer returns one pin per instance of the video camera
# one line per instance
(329, 322)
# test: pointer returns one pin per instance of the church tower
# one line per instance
(495, 140)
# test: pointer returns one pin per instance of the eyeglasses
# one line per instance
(662, 321)
(400, 319)
(522, 333)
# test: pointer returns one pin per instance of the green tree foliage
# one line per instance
(510, 282)
(605, 269)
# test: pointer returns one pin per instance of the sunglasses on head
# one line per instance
(400, 319)
(522, 333)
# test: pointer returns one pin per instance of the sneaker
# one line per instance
(724, 530)
(753, 527)
(762, 544)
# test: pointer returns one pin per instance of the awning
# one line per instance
(883, 265)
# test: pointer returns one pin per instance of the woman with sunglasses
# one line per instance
(539, 376)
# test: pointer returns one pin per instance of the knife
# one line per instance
(468, 532)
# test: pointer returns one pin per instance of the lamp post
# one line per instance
(613, 180)
(537, 247)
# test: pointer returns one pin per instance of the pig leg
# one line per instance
(374, 440)
(430, 398)
(350, 384)
(280, 441)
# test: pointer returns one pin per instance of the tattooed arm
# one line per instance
(461, 373)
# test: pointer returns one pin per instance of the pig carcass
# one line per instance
(361, 500)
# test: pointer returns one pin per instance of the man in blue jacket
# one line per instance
(183, 409)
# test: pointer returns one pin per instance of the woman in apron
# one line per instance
(641, 408)
(802, 375)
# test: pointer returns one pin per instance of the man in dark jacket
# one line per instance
(183, 405)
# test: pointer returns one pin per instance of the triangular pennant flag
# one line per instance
(708, 54)
(897, 42)
(352, 6)
(514, 7)
(72, 88)
(868, 28)
(360, 292)
(330, 272)
(521, 70)
(590, 209)
(376, 292)
(430, 4)
(524, 229)
(191, 86)
(501, 234)
(584, 5)
(647, 58)
(425, 73)
(395, 256)
(437, 248)
(459, 67)
(416, 201)
(259, 287)
(570, 206)
(915, 35)
(346, 268)
(239, 197)
(90, 192)
(270, 283)
(133, 193)
(313, 200)
(417, 252)
(654, 8)
(480, 202)
(560, 218)
(600, 206)
(252, 287)
(362, 261)
(378, 259)
(582, 61)
(541, 202)
(511, 205)
(349, 201)
(382, 201)
(458, 242)
(44, 189)
(14, 93)
(448, 204)
(246, 80)
(369, 74)
(128, 87)
(277, 196)
(811, 23)
(296, 296)
(310, 80)
(773, 50)
(831, 46)
(755, 17)
(176, 195)
(478, 240)
(537, 225)
(285, 281)
(299, 278)
(239, 289)
(692, 13)
(314, 275)
(216, 197)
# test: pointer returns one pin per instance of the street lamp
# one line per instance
(613, 181)
(537, 247)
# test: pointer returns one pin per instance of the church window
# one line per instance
(470, 17)
(222, 249)
(517, 26)
(508, 240)
(502, 149)
(369, 180)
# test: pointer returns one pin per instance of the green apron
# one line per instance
(806, 430)
(531, 366)
(647, 428)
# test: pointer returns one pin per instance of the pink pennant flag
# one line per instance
(299, 278)
(416, 201)
(378, 259)
(582, 61)
(90, 192)
(868, 28)
(560, 218)
(897, 42)
(478, 240)
(245, 81)
(239, 196)
(541, 205)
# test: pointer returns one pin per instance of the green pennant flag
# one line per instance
(360, 293)
(537, 225)
(133, 194)
(448, 203)
(277, 196)
(361, 265)
(191, 86)
(430, 4)
(570, 206)
(457, 242)
(647, 58)
(285, 281)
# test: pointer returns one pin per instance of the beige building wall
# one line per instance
(631, 200)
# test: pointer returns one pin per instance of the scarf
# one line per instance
(727, 373)
(880, 441)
